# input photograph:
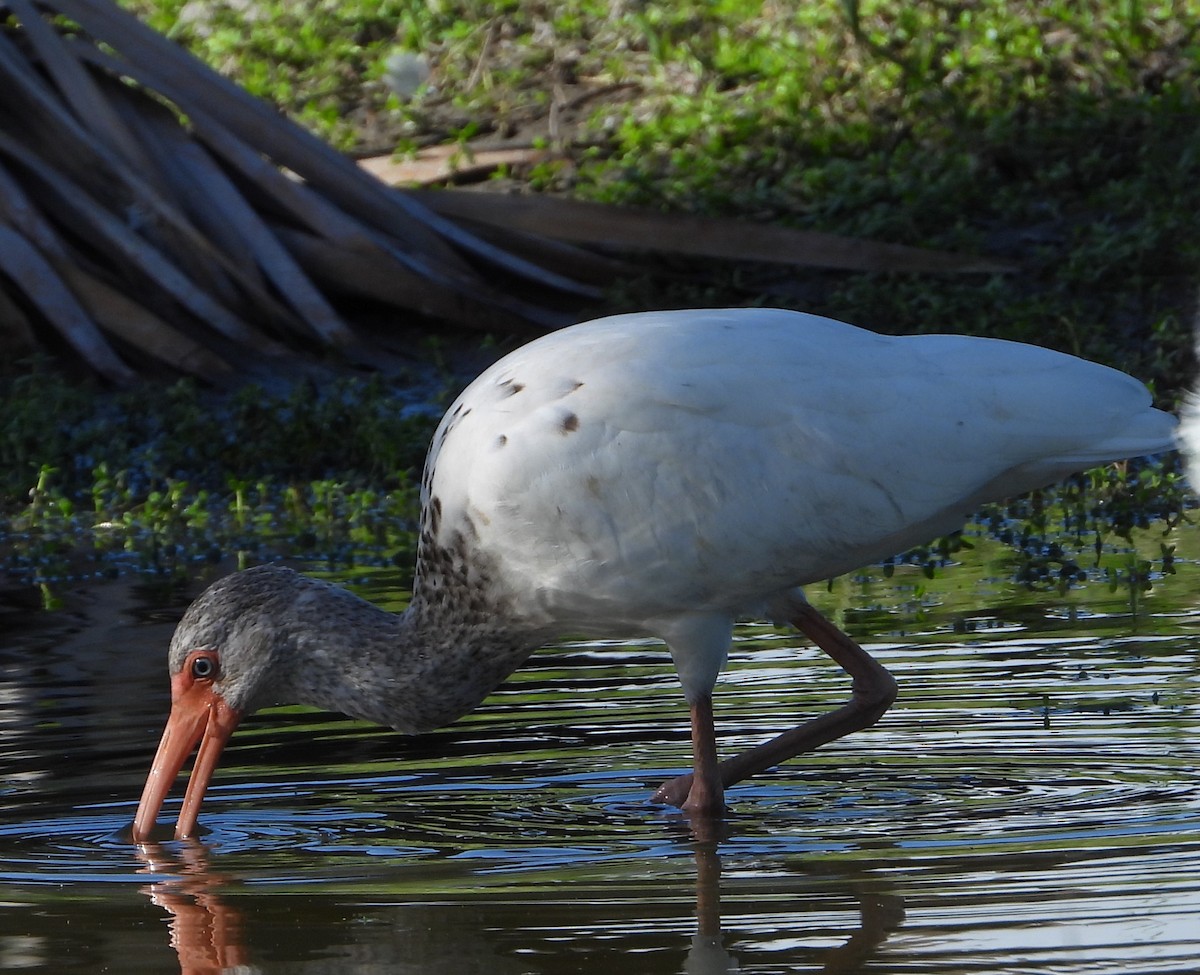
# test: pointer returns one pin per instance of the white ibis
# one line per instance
(659, 474)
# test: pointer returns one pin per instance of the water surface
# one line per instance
(1030, 804)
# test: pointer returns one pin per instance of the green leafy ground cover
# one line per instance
(1061, 136)
(99, 485)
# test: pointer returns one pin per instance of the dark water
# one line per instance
(1030, 805)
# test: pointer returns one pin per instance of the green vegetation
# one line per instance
(1060, 136)
(101, 484)
(330, 475)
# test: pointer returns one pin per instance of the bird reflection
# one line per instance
(209, 934)
(707, 955)
(881, 913)
(206, 932)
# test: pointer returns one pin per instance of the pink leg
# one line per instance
(706, 791)
(873, 690)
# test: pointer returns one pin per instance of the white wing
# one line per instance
(654, 464)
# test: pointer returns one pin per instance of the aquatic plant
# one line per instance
(96, 483)
(93, 482)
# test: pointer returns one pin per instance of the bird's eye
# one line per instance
(204, 667)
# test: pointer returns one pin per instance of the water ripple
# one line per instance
(1031, 804)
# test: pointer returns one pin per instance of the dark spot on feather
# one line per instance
(471, 532)
(570, 423)
(512, 387)
(435, 514)
(501, 440)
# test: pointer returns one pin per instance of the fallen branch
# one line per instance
(621, 228)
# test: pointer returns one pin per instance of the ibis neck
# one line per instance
(414, 671)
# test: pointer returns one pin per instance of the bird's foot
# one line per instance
(683, 792)
(674, 792)
(704, 812)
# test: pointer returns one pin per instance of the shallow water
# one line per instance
(1030, 804)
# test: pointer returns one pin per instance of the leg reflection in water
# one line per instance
(214, 916)
(881, 913)
(707, 955)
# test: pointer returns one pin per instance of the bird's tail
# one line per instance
(1148, 432)
(1188, 436)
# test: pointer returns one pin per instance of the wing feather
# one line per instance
(683, 460)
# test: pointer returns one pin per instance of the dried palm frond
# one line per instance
(153, 214)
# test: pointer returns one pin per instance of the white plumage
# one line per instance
(662, 471)
(1189, 427)
(656, 474)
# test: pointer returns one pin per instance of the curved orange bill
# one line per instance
(198, 714)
